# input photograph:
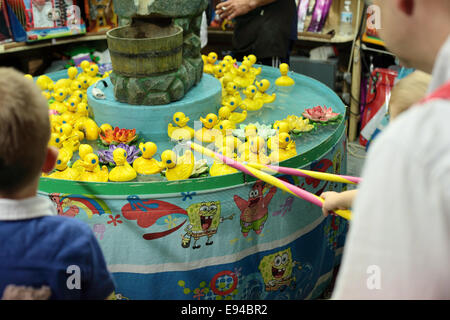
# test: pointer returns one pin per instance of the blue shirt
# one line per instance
(39, 249)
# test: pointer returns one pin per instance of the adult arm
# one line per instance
(233, 8)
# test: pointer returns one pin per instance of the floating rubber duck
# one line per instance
(72, 73)
(218, 71)
(243, 78)
(146, 164)
(250, 132)
(227, 139)
(122, 171)
(209, 62)
(92, 171)
(178, 168)
(286, 148)
(251, 102)
(281, 126)
(235, 117)
(75, 86)
(83, 150)
(92, 74)
(55, 140)
(59, 95)
(181, 131)
(62, 170)
(84, 80)
(231, 92)
(84, 65)
(262, 86)
(70, 139)
(255, 152)
(227, 78)
(249, 61)
(284, 80)
(207, 133)
(218, 168)
(71, 108)
(43, 82)
(87, 125)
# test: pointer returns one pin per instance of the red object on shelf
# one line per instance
(378, 94)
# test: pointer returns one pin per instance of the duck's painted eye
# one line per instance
(93, 161)
(169, 161)
(85, 81)
(177, 119)
(234, 87)
(253, 91)
(58, 161)
(244, 69)
(260, 84)
(144, 149)
(92, 69)
(60, 93)
(221, 126)
(79, 87)
(64, 121)
(87, 108)
(57, 140)
(81, 95)
(287, 139)
(124, 154)
(72, 104)
(60, 130)
(210, 120)
(231, 103)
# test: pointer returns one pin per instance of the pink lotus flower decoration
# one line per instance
(320, 114)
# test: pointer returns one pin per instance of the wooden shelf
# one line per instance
(23, 46)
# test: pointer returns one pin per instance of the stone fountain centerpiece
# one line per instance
(155, 52)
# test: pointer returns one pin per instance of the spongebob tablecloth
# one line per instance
(247, 242)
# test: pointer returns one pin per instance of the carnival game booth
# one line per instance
(212, 235)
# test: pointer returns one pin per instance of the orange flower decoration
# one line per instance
(117, 136)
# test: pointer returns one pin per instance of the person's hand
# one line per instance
(332, 202)
(232, 8)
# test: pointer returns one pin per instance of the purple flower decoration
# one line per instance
(106, 156)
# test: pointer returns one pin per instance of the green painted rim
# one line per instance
(49, 185)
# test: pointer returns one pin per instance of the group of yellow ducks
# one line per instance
(218, 128)
(71, 124)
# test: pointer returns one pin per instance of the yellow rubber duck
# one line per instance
(207, 133)
(62, 169)
(227, 139)
(55, 122)
(178, 168)
(87, 125)
(84, 65)
(231, 92)
(122, 171)
(92, 74)
(43, 82)
(92, 171)
(146, 164)
(262, 86)
(218, 168)
(286, 148)
(84, 80)
(284, 80)
(227, 78)
(55, 140)
(69, 138)
(72, 73)
(218, 71)
(59, 95)
(251, 102)
(250, 131)
(255, 152)
(281, 126)
(75, 86)
(243, 78)
(249, 61)
(209, 62)
(181, 131)
(235, 117)
(83, 151)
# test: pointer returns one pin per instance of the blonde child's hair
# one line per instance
(408, 91)
(24, 130)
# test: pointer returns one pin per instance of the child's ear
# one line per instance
(406, 6)
(50, 159)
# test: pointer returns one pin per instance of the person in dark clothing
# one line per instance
(262, 27)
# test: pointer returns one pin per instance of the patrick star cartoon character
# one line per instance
(254, 211)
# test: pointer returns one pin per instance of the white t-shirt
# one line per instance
(398, 245)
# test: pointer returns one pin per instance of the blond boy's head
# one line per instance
(407, 92)
(24, 131)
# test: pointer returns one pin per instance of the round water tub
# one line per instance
(226, 237)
